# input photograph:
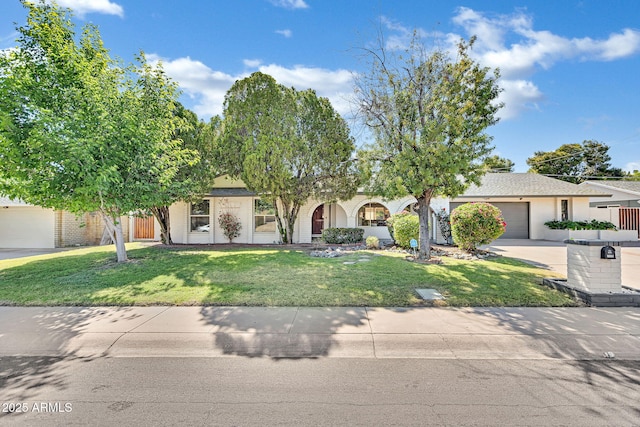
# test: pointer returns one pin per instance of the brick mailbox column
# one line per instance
(588, 271)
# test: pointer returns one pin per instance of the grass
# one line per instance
(265, 277)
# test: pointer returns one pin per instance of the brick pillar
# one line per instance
(587, 271)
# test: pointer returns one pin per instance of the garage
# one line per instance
(24, 226)
(515, 214)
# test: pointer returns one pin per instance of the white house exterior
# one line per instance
(528, 200)
(197, 223)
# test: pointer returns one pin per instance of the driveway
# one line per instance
(12, 253)
(553, 256)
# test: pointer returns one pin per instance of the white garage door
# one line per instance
(26, 227)
(516, 215)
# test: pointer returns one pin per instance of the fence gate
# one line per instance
(630, 219)
(143, 227)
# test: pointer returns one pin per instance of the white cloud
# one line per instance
(518, 96)
(290, 4)
(208, 87)
(286, 33)
(252, 63)
(632, 166)
(83, 7)
(512, 44)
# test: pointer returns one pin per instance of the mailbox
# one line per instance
(607, 252)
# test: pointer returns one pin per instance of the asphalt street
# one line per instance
(241, 391)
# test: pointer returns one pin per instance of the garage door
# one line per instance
(516, 215)
(26, 227)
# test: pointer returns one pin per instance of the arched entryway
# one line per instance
(317, 221)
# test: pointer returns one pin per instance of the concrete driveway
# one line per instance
(12, 253)
(553, 256)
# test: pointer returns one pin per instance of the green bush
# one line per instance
(405, 228)
(339, 236)
(392, 219)
(373, 242)
(580, 225)
(474, 224)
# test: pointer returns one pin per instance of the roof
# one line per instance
(527, 185)
(230, 192)
(632, 187)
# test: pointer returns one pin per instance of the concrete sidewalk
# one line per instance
(431, 333)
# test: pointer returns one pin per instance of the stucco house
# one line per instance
(622, 208)
(526, 200)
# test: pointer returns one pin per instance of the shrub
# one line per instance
(373, 242)
(392, 219)
(339, 236)
(405, 228)
(230, 225)
(580, 225)
(474, 224)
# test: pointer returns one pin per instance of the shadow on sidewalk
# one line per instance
(282, 332)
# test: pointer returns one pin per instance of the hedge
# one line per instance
(339, 236)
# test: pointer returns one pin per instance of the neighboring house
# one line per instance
(622, 209)
(528, 200)
(27, 226)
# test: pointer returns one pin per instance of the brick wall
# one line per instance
(587, 271)
(83, 230)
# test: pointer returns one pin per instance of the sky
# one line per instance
(570, 69)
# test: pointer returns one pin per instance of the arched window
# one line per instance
(373, 215)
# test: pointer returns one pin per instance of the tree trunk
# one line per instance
(424, 215)
(114, 226)
(161, 213)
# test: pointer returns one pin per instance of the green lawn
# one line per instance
(265, 277)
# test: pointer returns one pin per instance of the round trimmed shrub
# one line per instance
(474, 224)
(373, 242)
(405, 228)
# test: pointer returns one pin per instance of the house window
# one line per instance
(199, 217)
(373, 215)
(564, 209)
(264, 217)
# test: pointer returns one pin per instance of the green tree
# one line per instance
(575, 162)
(79, 131)
(287, 146)
(194, 175)
(428, 113)
(498, 164)
(474, 224)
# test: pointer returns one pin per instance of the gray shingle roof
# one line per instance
(527, 185)
(231, 192)
(630, 186)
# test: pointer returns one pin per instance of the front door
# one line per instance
(317, 220)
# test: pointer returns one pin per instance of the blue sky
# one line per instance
(570, 69)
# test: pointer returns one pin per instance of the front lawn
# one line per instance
(265, 277)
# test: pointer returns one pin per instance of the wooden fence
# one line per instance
(630, 219)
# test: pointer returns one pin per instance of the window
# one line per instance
(264, 217)
(564, 209)
(199, 217)
(373, 215)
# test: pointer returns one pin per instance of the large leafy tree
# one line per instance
(81, 132)
(193, 175)
(287, 146)
(575, 162)
(428, 112)
(498, 164)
